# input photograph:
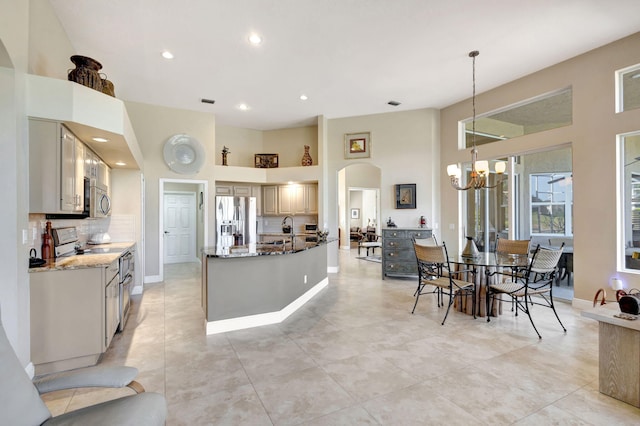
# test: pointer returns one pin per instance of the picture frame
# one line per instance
(406, 196)
(357, 145)
(355, 213)
(266, 161)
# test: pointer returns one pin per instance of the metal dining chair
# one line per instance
(535, 287)
(435, 276)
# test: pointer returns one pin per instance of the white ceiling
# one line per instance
(349, 56)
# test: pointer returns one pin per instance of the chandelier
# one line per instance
(479, 169)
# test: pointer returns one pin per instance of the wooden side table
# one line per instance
(619, 355)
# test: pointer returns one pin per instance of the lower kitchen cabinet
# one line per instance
(74, 315)
(398, 256)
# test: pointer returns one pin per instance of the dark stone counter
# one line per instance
(264, 249)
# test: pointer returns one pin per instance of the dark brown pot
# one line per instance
(86, 72)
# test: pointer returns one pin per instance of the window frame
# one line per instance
(567, 203)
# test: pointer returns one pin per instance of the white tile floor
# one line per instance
(355, 355)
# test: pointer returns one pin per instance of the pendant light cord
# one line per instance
(473, 55)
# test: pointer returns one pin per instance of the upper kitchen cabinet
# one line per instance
(290, 199)
(95, 169)
(56, 169)
(233, 189)
(104, 175)
(269, 200)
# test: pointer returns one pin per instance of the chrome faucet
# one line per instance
(291, 231)
(284, 222)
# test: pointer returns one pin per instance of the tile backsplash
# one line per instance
(119, 227)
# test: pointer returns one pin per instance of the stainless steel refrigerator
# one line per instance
(236, 221)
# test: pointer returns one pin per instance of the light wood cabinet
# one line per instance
(236, 190)
(74, 315)
(56, 169)
(90, 164)
(104, 174)
(291, 199)
(269, 200)
(311, 198)
(286, 199)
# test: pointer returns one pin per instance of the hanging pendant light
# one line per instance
(479, 169)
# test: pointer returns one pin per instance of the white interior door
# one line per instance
(179, 227)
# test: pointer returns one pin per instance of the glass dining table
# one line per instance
(483, 270)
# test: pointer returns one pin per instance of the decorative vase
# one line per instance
(107, 86)
(86, 72)
(306, 158)
(225, 152)
(470, 251)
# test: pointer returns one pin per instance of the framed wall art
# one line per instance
(355, 213)
(266, 161)
(406, 196)
(357, 145)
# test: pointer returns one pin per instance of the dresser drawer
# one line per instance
(400, 268)
(394, 233)
(400, 255)
(395, 244)
(419, 234)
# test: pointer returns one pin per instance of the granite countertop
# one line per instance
(265, 249)
(91, 259)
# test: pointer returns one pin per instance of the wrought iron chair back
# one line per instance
(434, 269)
(537, 280)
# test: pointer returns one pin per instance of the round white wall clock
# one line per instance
(184, 154)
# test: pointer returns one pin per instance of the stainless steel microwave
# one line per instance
(99, 201)
(310, 228)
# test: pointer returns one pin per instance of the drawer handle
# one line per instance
(391, 254)
(395, 234)
(392, 243)
(418, 234)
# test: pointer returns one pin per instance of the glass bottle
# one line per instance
(47, 249)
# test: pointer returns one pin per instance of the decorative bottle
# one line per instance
(47, 249)
(306, 158)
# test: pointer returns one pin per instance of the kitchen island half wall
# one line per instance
(259, 288)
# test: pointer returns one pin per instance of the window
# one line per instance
(630, 208)
(551, 204)
(531, 116)
(628, 88)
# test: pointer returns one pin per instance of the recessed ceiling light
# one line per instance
(97, 139)
(167, 55)
(304, 97)
(121, 163)
(243, 107)
(255, 39)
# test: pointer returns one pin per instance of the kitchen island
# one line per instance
(260, 284)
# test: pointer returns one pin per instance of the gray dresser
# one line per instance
(398, 257)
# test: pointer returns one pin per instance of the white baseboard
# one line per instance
(222, 326)
(150, 279)
(333, 269)
(30, 369)
(136, 290)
